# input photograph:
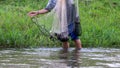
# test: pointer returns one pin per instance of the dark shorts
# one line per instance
(71, 32)
(73, 36)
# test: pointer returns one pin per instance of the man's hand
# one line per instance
(33, 13)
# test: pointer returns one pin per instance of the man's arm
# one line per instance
(51, 4)
(42, 11)
(34, 13)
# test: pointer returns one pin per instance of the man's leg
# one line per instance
(76, 40)
(78, 44)
(65, 45)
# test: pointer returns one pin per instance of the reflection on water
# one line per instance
(72, 58)
(57, 58)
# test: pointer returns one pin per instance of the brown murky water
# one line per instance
(55, 58)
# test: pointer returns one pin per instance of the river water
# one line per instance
(56, 58)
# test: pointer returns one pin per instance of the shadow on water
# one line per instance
(57, 58)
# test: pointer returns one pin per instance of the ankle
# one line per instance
(78, 48)
(65, 47)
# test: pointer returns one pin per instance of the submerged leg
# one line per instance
(65, 45)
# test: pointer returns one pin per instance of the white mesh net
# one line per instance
(60, 19)
(62, 16)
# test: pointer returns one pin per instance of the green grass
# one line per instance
(100, 20)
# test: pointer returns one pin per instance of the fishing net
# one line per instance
(65, 15)
(60, 21)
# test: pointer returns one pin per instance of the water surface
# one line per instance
(56, 58)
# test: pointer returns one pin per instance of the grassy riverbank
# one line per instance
(100, 20)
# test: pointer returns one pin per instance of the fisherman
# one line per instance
(68, 10)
